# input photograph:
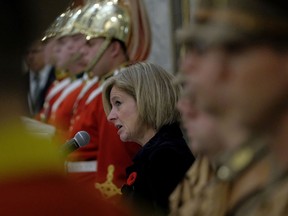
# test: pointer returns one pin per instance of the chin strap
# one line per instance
(97, 57)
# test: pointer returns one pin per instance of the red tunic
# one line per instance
(90, 151)
(62, 109)
(53, 94)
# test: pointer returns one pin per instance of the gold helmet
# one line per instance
(108, 19)
(125, 20)
(57, 25)
(68, 27)
(62, 21)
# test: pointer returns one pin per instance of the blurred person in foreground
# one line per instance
(32, 181)
(141, 103)
(193, 194)
(241, 79)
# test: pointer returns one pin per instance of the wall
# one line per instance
(159, 12)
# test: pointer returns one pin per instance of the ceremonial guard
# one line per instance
(70, 60)
(52, 48)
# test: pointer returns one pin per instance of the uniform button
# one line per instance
(46, 105)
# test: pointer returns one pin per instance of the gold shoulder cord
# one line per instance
(233, 163)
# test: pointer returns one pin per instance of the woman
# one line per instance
(141, 102)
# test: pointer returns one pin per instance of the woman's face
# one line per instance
(125, 116)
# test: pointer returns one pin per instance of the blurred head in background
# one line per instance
(27, 22)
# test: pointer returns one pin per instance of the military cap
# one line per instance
(244, 21)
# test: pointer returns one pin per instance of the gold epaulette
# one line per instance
(61, 74)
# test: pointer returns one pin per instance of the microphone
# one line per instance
(81, 139)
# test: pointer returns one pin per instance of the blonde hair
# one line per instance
(153, 89)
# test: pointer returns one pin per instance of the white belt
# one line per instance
(81, 166)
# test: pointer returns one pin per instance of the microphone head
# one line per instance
(82, 138)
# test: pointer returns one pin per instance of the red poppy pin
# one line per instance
(131, 179)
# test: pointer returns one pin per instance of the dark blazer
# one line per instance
(41, 98)
(158, 167)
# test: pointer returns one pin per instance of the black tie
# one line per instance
(37, 87)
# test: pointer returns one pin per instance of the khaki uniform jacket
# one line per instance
(213, 192)
(199, 193)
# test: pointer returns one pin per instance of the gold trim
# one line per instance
(108, 188)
